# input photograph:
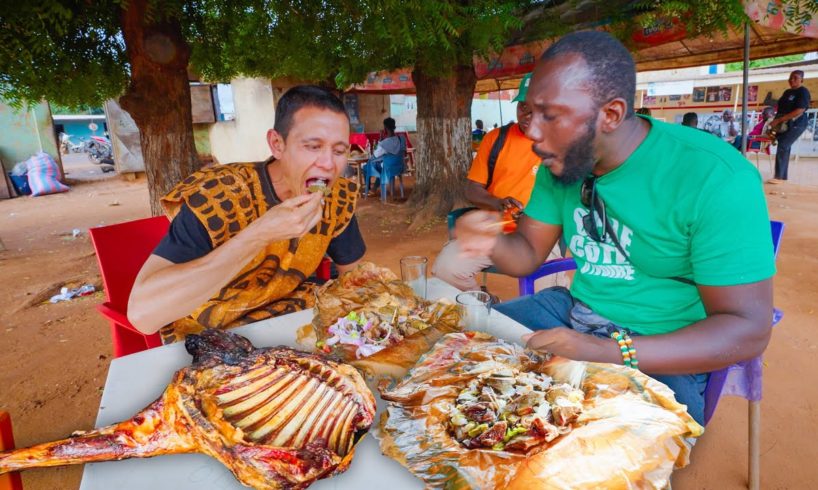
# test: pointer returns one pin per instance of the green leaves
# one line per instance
(69, 52)
(341, 41)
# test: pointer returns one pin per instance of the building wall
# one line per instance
(372, 110)
(770, 82)
(79, 129)
(26, 132)
(493, 108)
(244, 138)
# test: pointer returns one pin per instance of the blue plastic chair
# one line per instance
(393, 166)
(742, 379)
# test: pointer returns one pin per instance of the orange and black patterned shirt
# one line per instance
(212, 205)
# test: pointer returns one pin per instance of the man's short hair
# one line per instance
(389, 124)
(800, 73)
(479, 123)
(302, 96)
(689, 118)
(613, 72)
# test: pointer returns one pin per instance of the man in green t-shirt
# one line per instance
(677, 252)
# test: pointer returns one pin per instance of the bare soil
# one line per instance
(54, 357)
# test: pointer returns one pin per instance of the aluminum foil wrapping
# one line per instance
(630, 435)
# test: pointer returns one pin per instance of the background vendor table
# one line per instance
(135, 381)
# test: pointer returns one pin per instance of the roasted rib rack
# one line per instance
(276, 417)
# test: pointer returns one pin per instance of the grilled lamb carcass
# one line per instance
(276, 417)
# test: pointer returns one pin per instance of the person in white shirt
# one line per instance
(728, 127)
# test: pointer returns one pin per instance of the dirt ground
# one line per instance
(54, 357)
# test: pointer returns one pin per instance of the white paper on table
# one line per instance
(137, 380)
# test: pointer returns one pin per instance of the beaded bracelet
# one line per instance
(626, 347)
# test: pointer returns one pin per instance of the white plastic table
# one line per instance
(136, 380)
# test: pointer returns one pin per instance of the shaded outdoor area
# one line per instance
(231, 123)
(56, 356)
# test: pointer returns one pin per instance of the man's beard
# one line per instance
(579, 159)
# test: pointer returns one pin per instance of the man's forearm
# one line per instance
(480, 197)
(711, 344)
(514, 255)
(174, 291)
(737, 328)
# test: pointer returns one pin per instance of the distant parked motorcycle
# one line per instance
(68, 145)
(99, 150)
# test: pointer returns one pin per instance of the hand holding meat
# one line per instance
(293, 218)
(477, 232)
(513, 206)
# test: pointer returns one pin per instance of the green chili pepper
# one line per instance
(510, 433)
(478, 430)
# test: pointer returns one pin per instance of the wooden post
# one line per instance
(754, 473)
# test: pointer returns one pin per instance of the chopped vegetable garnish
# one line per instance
(507, 410)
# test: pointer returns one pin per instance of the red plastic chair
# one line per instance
(121, 250)
(8, 481)
(324, 271)
(760, 144)
(358, 139)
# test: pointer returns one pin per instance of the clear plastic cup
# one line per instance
(475, 307)
(413, 273)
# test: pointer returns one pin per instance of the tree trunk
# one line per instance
(158, 98)
(444, 153)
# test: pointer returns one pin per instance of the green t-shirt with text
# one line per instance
(684, 204)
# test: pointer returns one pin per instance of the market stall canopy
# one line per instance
(770, 35)
(658, 47)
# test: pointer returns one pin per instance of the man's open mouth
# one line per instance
(316, 184)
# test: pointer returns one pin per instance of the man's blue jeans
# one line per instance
(555, 307)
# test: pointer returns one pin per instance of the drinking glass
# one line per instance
(475, 307)
(413, 273)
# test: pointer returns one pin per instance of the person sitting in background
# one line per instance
(762, 128)
(727, 129)
(479, 132)
(500, 179)
(690, 119)
(390, 144)
(645, 111)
